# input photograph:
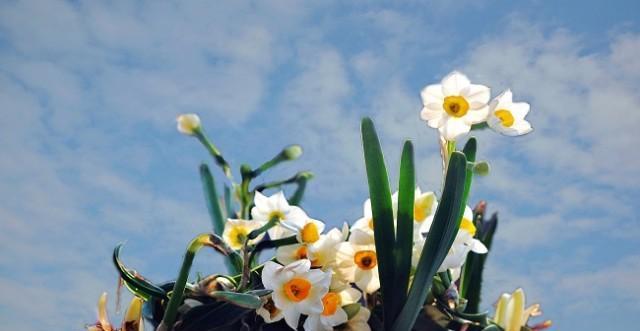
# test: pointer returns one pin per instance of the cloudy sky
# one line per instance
(89, 93)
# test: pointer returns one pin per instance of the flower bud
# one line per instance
(481, 168)
(188, 123)
(292, 152)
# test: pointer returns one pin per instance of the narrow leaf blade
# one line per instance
(404, 239)
(382, 212)
(445, 226)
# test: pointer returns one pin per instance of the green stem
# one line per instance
(214, 151)
(178, 289)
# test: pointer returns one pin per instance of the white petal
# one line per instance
(432, 95)
(292, 317)
(520, 109)
(477, 95)
(312, 323)
(478, 247)
(340, 317)
(298, 267)
(431, 115)
(475, 116)
(454, 83)
(349, 296)
(269, 275)
(454, 128)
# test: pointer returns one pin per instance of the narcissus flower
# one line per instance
(454, 105)
(321, 253)
(297, 289)
(358, 264)
(511, 314)
(188, 123)
(236, 231)
(332, 314)
(276, 207)
(507, 117)
(132, 320)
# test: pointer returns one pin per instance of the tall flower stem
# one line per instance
(178, 289)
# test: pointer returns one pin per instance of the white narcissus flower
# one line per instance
(463, 243)
(358, 264)
(188, 123)
(332, 314)
(276, 206)
(454, 105)
(511, 314)
(297, 289)
(321, 253)
(507, 117)
(359, 322)
(236, 231)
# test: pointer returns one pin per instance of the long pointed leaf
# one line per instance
(404, 238)
(382, 212)
(134, 282)
(445, 225)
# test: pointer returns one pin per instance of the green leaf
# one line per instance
(474, 266)
(469, 151)
(244, 300)
(404, 239)
(492, 327)
(446, 223)
(134, 282)
(382, 212)
(211, 198)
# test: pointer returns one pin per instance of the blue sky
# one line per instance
(89, 93)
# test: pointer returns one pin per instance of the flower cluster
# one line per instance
(455, 104)
(410, 256)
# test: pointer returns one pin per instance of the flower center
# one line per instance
(366, 260)
(331, 301)
(297, 289)
(468, 226)
(309, 233)
(422, 208)
(277, 214)
(238, 235)
(302, 253)
(505, 117)
(455, 106)
(370, 223)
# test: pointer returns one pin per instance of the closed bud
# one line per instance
(481, 168)
(292, 152)
(188, 123)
